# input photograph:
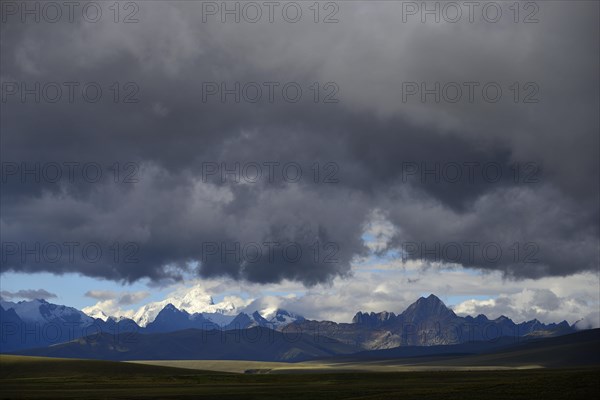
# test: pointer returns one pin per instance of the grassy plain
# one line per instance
(42, 378)
(263, 367)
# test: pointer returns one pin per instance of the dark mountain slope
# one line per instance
(260, 344)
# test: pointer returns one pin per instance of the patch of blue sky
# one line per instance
(70, 288)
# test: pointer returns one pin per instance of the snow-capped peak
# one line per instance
(95, 313)
(279, 317)
(41, 311)
(194, 300)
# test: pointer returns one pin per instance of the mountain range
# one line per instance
(42, 328)
(427, 322)
(38, 323)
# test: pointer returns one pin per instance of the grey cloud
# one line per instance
(547, 299)
(122, 299)
(590, 321)
(370, 134)
(27, 294)
(529, 304)
(132, 298)
(101, 294)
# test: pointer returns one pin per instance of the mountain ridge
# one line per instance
(426, 322)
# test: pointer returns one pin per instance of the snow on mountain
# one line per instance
(278, 317)
(219, 318)
(193, 301)
(275, 319)
(106, 310)
(42, 312)
(95, 313)
(7, 304)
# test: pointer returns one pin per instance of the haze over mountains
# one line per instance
(427, 322)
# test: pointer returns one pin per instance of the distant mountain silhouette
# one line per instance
(170, 319)
(426, 322)
(263, 344)
(257, 343)
(572, 350)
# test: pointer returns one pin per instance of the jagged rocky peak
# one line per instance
(372, 319)
(283, 317)
(259, 318)
(359, 318)
(503, 318)
(424, 308)
(427, 307)
(170, 311)
(431, 301)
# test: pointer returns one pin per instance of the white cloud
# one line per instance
(379, 230)
(111, 303)
(101, 294)
(390, 285)
(548, 299)
(542, 304)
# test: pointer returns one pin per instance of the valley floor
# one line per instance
(39, 378)
(314, 367)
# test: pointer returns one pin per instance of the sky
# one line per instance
(350, 156)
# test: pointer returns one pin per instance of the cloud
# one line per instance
(101, 294)
(590, 321)
(191, 298)
(390, 285)
(122, 299)
(162, 222)
(541, 304)
(28, 294)
(111, 303)
(132, 298)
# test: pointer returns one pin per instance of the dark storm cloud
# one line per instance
(171, 221)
